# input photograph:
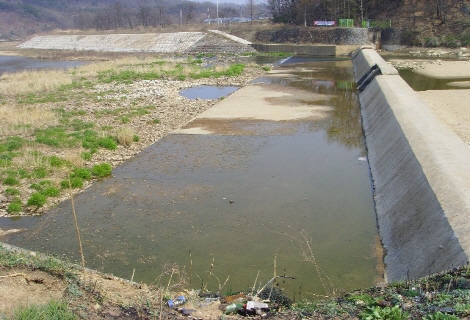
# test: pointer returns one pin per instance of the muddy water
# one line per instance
(420, 82)
(291, 197)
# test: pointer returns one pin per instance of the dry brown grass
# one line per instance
(125, 136)
(33, 81)
(17, 119)
(30, 157)
(74, 157)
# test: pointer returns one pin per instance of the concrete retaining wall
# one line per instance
(314, 35)
(420, 171)
(178, 42)
(165, 42)
(297, 49)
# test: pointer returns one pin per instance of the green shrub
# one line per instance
(37, 200)
(39, 172)
(10, 181)
(75, 182)
(90, 139)
(36, 186)
(51, 310)
(450, 41)
(78, 125)
(432, 42)
(55, 137)
(41, 185)
(57, 162)
(12, 191)
(14, 143)
(393, 313)
(50, 192)
(108, 143)
(83, 173)
(465, 38)
(102, 170)
(23, 173)
(86, 156)
(440, 316)
(15, 206)
(136, 138)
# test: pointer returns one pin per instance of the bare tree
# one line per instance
(189, 12)
(118, 15)
(144, 15)
(442, 7)
(251, 5)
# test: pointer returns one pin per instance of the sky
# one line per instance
(241, 2)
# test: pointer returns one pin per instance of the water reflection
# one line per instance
(207, 92)
(336, 80)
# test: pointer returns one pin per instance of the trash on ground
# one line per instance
(176, 302)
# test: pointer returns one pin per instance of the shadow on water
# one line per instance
(238, 201)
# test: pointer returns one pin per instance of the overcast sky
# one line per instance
(241, 2)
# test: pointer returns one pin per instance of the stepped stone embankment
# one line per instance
(179, 42)
(420, 172)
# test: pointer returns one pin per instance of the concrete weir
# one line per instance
(421, 174)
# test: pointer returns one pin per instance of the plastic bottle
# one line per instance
(176, 302)
(233, 307)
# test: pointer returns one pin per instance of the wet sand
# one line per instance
(451, 106)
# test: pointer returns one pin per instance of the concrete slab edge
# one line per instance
(231, 37)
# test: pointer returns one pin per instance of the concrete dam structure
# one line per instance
(421, 174)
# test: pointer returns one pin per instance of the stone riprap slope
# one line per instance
(178, 42)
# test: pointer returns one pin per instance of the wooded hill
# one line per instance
(21, 18)
(422, 22)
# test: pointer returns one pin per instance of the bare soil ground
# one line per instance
(93, 295)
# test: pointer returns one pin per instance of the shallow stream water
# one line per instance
(16, 63)
(285, 198)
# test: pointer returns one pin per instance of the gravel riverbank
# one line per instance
(150, 109)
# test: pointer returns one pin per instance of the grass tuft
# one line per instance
(51, 310)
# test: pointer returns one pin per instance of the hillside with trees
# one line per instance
(421, 22)
(21, 18)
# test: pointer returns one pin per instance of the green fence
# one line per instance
(346, 23)
(377, 24)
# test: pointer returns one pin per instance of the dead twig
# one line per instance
(15, 275)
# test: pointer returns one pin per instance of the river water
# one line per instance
(16, 63)
(283, 198)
